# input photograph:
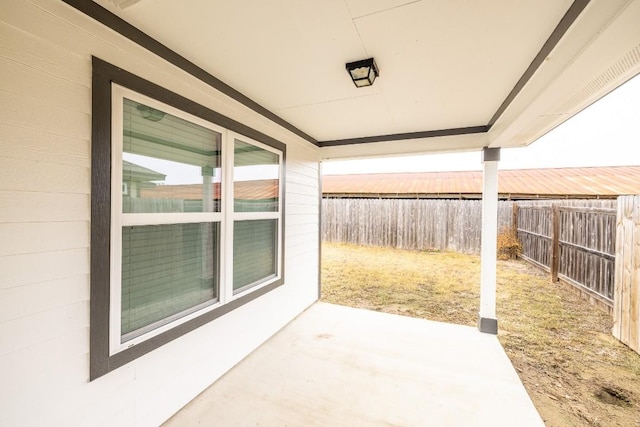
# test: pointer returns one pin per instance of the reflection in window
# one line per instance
(169, 164)
(256, 178)
(168, 271)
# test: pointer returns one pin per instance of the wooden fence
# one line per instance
(576, 244)
(423, 224)
(626, 308)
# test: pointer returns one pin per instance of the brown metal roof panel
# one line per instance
(559, 181)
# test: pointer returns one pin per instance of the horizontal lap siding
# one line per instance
(302, 227)
(303, 208)
(45, 133)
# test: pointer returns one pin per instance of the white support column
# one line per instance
(487, 320)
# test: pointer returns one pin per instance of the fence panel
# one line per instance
(587, 248)
(626, 307)
(581, 251)
(534, 232)
(420, 224)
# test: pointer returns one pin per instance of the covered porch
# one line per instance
(336, 365)
(451, 77)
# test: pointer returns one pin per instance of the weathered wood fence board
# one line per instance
(626, 307)
(587, 248)
(534, 232)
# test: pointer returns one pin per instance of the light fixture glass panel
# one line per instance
(360, 73)
(372, 75)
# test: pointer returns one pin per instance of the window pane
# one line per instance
(256, 175)
(254, 252)
(167, 270)
(169, 164)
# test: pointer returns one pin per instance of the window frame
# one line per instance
(234, 216)
(108, 84)
(119, 219)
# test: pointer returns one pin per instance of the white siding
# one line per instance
(45, 132)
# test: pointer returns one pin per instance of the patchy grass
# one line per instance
(417, 284)
(574, 370)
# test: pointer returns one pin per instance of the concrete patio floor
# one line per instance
(340, 366)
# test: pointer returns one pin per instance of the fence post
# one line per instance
(514, 219)
(555, 241)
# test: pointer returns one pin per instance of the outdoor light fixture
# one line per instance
(151, 113)
(123, 4)
(363, 72)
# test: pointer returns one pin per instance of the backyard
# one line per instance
(576, 373)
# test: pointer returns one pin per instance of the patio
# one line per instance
(340, 366)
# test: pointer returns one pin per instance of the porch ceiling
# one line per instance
(444, 65)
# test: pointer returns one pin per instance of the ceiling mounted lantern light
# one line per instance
(364, 72)
(123, 4)
(150, 113)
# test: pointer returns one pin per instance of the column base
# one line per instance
(488, 325)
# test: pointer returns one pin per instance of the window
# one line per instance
(256, 205)
(194, 217)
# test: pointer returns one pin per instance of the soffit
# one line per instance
(445, 64)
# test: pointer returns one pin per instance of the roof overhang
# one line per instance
(454, 76)
(599, 51)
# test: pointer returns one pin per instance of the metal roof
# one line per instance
(524, 183)
(243, 190)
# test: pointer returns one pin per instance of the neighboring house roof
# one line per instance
(523, 183)
(134, 172)
(243, 190)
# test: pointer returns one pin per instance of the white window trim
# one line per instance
(226, 218)
(118, 220)
(240, 216)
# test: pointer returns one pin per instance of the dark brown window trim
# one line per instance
(104, 74)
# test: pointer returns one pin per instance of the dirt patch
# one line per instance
(576, 373)
(614, 396)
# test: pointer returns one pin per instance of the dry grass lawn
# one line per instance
(576, 373)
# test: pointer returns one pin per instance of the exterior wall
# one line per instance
(45, 131)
